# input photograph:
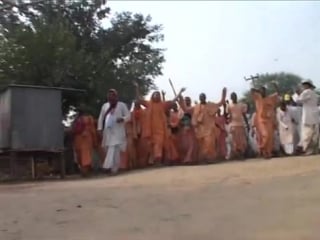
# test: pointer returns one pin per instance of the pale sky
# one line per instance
(213, 44)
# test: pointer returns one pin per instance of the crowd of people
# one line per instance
(174, 132)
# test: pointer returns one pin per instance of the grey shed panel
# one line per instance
(35, 119)
(5, 119)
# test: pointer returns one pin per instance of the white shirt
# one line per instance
(310, 112)
(115, 133)
(285, 126)
(296, 113)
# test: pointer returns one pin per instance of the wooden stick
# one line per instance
(171, 84)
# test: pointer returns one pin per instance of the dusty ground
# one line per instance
(261, 200)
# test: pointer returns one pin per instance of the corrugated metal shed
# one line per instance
(31, 118)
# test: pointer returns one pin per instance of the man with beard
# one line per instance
(111, 125)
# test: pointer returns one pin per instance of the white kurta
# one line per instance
(286, 130)
(114, 134)
(228, 141)
(310, 119)
(296, 113)
(252, 140)
(310, 112)
(285, 126)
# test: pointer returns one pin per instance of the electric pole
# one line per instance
(252, 79)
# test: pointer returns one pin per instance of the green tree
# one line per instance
(64, 44)
(287, 82)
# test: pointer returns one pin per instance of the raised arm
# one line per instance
(182, 103)
(139, 98)
(170, 103)
(276, 87)
(304, 97)
(163, 94)
(255, 93)
(182, 90)
(223, 97)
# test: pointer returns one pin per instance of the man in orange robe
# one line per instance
(84, 141)
(141, 149)
(238, 119)
(221, 136)
(187, 147)
(128, 157)
(265, 117)
(155, 128)
(203, 120)
(171, 146)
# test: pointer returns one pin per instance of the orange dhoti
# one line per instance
(84, 143)
(207, 147)
(187, 145)
(266, 138)
(171, 150)
(84, 151)
(142, 147)
(265, 121)
(157, 145)
(124, 161)
(239, 140)
(203, 120)
(221, 144)
(154, 129)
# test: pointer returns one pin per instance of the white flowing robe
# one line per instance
(228, 141)
(296, 113)
(310, 119)
(114, 134)
(252, 140)
(286, 130)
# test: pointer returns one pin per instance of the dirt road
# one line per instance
(277, 199)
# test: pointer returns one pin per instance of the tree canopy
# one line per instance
(63, 43)
(287, 82)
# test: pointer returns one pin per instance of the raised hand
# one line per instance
(224, 94)
(224, 90)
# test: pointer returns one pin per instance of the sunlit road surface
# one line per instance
(258, 199)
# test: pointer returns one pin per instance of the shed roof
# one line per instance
(3, 88)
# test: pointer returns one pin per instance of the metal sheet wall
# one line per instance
(36, 119)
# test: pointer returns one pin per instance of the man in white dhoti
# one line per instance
(296, 111)
(228, 140)
(286, 128)
(111, 125)
(253, 135)
(310, 117)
